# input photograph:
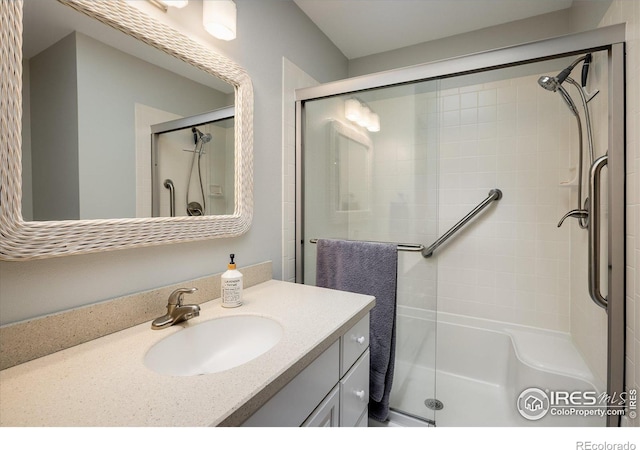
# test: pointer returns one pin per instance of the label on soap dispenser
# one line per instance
(232, 291)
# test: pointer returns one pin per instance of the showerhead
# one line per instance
(199, 136)
(553, 83)
(549, 83)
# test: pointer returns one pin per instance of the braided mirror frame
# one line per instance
(21, 240)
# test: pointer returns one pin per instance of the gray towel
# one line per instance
(367, 268)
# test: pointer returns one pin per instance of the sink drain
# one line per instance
(434, 404)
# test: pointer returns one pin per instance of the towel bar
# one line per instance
(401, 247)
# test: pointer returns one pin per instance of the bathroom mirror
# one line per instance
(23, 239)
(350, 151)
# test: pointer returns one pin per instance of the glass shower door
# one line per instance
(377, 181)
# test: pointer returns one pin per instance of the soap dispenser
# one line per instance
(231, 282)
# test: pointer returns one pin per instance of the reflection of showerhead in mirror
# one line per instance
(200, 136)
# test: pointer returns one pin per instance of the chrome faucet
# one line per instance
(176, 311)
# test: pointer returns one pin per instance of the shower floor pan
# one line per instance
(483, 366)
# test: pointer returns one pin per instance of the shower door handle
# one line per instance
(594, 231)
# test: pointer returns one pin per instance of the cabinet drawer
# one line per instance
(326, 415)
(353, 343)
(354, 392)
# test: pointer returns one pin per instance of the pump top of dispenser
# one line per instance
(231, 265)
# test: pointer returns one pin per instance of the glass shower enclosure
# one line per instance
(503, 305)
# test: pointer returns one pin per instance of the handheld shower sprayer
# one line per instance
(199, 138)
(554, 84)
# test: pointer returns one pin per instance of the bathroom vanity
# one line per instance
(316, 375)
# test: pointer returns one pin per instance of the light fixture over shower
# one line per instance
(219, 18)
(360, 113)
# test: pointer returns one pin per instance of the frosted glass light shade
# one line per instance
(175, 3)
(219, 18)
(361, 114)
(365, 112)
(352, 109)
(374, 123)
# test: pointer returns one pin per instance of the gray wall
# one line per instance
(583, 15)
(27, 193)
(267, 31)
(54, 132)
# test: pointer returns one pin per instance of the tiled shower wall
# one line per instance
(513, 263)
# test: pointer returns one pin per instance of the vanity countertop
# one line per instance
(104, 382)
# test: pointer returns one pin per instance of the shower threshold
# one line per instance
(401, 419)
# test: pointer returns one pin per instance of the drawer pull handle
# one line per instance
(360, 340)
(361, 395)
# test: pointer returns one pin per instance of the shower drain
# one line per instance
(434, 404)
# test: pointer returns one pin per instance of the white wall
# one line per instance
(267, 31)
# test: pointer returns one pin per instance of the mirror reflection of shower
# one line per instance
(193, 165)
(195, 208)
(554, 84)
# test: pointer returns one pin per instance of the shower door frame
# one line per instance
(611, 39)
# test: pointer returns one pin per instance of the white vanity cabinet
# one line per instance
(332, 391)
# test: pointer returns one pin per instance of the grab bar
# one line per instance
(594, 232)
(401, 247)
(494, 194)
(172, 196)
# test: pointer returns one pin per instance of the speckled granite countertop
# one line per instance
(104, 382)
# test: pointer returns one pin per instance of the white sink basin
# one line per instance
(213, 346)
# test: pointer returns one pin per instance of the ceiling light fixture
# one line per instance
(165, 4)
(219, 18)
